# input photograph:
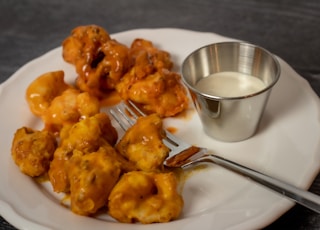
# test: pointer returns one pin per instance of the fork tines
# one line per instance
(126, 114)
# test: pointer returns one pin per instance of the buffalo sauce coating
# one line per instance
(142, 144)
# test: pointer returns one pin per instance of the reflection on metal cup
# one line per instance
(229, 114)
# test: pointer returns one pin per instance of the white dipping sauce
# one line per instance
(230, 84)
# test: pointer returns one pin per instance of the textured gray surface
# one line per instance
(290, 29)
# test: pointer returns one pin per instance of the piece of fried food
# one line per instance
(85, 136)
(145, 197)
(161, 92)
(83, 41)
(43, 90)
(100, 61)
(69, 108)
(58, 103)
(92, 177)
(150, 83)
(147, 58)
(33, 150)
(142, 144)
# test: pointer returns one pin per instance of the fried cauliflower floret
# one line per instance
(142, 144)
(85, 136)
(58, 103)
(33, 150)
(92, 177)
(69, 108)
(99, 61)
(145, 197)
(147, 58)
(161, 92)
(150, 83)
(43, 90)
(82, 41)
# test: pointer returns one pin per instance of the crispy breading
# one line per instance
(160, 92)
(92, 177)
(145, 197)
(43, 90)
(99, 61)
(151, 83)
(86, 136)
(142, 144)
(33, 150)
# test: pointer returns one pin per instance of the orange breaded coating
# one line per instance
(142, 144)
(145, 197)
(147, 58)
(92, 177)
(85, 136)
(83, 41)
(43, 90)
(33, 150)
(58, 103)
(150, 83)
(100, 61)
(58, 174)
(69, 108)
(161, 92)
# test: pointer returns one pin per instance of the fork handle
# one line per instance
(303, 197)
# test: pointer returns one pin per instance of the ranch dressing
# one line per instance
(230, 84)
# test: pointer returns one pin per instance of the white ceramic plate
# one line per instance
(286, 146)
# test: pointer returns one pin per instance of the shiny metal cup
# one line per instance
(230, 118)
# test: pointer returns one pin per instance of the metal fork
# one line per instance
(183, 155)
